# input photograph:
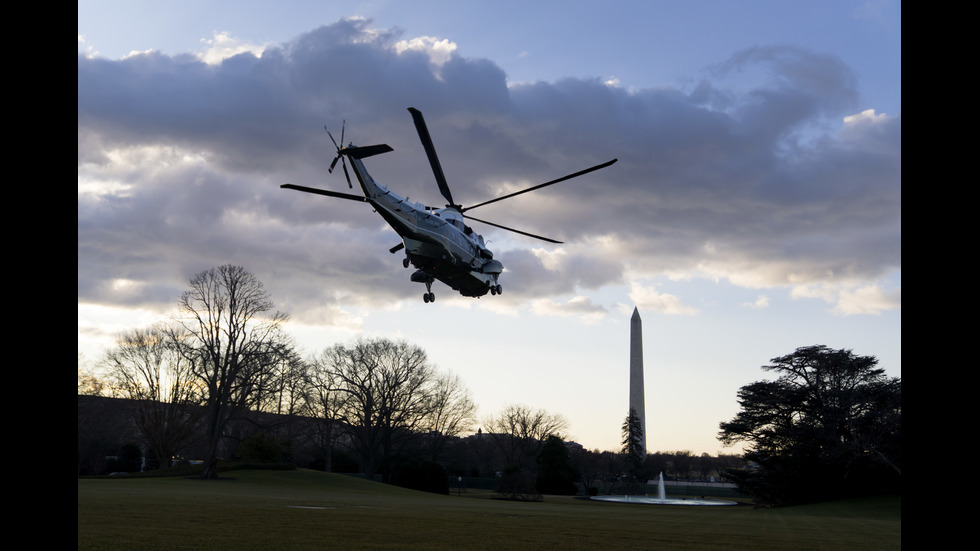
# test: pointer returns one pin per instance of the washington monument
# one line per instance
(636, 375)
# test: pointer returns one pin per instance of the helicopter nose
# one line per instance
(492, 267)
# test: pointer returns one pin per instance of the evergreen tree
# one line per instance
(829, 426)
(555, 474)
(633, 444)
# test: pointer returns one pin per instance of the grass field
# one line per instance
(314, 510)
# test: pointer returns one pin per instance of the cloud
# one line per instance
(762, 301)
(439, 51)
(223, 46)
(765, 173)
(853, 298)
(647, 298)
(580, 307)
(868, 299)
(84, 48)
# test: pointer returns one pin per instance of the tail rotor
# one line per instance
(340, 156)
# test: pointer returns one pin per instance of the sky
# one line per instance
(755, 207)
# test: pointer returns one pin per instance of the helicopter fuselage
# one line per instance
(437, 241)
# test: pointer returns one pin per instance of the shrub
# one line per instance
(261, 448)
(421, 475)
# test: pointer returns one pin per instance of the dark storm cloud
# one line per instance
(748, 167)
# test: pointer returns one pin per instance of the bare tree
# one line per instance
(385, 387)
(451, 412)
(518, 431)
(518, 434)
(89, 384)
(232, 338)
(147, 369)
(282, 389)
(383, 383)
(323, 401)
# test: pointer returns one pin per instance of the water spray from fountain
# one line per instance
(661, 498)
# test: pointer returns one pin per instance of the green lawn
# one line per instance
(313, 510)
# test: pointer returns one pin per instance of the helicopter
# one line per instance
(437, 241)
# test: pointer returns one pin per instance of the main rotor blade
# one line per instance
(539, 186)
(346, 175)
(333, 140)
(548, 239)
(328, 193)
(430, 151)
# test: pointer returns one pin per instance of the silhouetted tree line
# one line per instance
(222, 381)
(109, 440)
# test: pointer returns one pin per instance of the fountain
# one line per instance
(661, 498)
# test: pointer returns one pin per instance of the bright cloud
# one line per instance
(761, 302)
(223, 46)
(868, 299)
(851, 299)
(438, 50)
(648, 298)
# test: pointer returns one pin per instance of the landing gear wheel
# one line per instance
(498, 289)
(429, 297)
(405, 262)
